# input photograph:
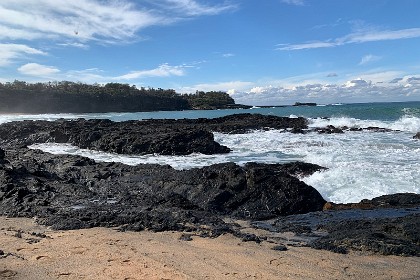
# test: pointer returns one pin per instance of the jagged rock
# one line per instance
(417, 136)
(69, 192)
(166, 137)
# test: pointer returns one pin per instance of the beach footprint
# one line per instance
(78, 250)
(42, 258)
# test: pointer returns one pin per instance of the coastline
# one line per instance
(194, 213)
(105, 253)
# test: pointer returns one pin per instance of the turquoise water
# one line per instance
(362, 111)
(361, 164)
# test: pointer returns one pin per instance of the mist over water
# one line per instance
(361, 164)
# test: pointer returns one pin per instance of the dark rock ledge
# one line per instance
(387, 225)
(71, 192)
(166, 137)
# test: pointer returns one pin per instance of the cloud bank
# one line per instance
(356, 90)
(77, 23)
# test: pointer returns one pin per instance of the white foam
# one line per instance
(361, 164)
(405, 123)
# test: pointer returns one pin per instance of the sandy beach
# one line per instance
(31, 251)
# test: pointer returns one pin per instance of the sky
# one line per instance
(266, 52)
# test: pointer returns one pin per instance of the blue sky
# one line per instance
(268, 52)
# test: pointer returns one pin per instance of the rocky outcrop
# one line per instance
(166, 137)
(69, 192)
(417, 136)
(386, 225)
(385, 236)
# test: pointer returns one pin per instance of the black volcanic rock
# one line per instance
(329, 130)
(387, 225)
(400, 200)
(166, 137)
(385, 236)
(69, 192)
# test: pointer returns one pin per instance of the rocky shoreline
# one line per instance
(72, 192)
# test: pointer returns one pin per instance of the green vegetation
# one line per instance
(209, 100)
(71, 97)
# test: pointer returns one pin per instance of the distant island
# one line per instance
(304, 104)
(72, 97)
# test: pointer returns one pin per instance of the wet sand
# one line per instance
(36, 252)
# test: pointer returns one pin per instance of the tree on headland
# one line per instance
(76, 97)
(209, 100)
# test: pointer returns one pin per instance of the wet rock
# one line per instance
(329, 130)
(300, 169)
(388, 236)
(166, 137)
(417, 136)
(400, 200)
(388, 226)
(378, 129)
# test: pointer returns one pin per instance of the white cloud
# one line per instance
(294, 2)
(109, 21)
(164, 70)
(95, 75)
(304, 46)
(228, 55)
(362, 36)
(10, 52)
(80, 20)
(377, 76)
(193, 8)
(35, 69)
(368, 59)
(357, 83)
(74, 44)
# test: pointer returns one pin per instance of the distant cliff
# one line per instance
(70, 97)
(211, 100)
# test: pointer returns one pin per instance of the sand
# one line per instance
(103, 253)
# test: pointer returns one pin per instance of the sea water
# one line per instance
(361, 164)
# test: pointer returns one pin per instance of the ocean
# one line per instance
(361, 164)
